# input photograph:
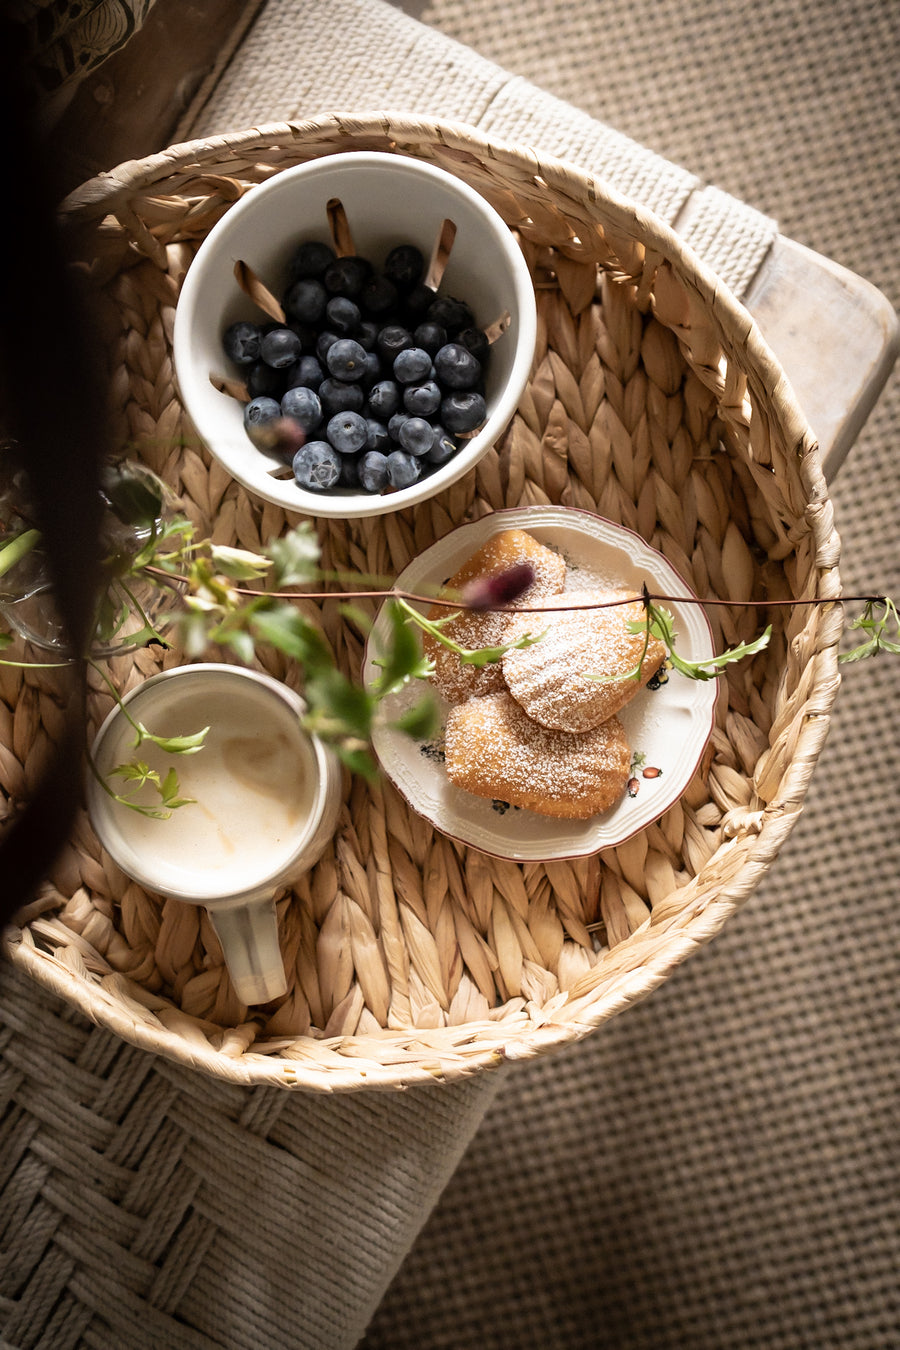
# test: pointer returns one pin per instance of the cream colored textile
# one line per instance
(147, 1205)
(287, 69)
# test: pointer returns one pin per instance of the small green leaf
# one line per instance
(137, 772)
(660, 623)
(296, 556)
(421, 721)
(240, 642)
(337, 707)
(172, 745)
(238, 563)
(484, 656)
(358, 759)
(169, 792)
(400, 658)
(178, 528)
(133, 491)
(282, 625)
(470, 656)
(861, 653)
(357, 616)
(111, 615)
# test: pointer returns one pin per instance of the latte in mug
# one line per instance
(265, 801)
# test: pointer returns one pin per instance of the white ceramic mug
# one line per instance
(266, 798)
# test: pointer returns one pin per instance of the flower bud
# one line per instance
(284, 437)
(502, 589)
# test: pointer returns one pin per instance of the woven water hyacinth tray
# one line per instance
(654, 402)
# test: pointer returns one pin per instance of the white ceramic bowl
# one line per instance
(388, 199)
(668, 727)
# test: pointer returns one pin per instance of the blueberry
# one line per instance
(378, 295)
(366, 334)
(456, 367)
(384, 398)
(475, 341)
(372, 471)
(463, 411)
(443, 447)
(342, 315)
(452, 314)
(346, 431)
(431, 336)
(349, 471)
(404, 266)
(345, 276)
(373, 371)
(307, 371)
(304, 406)
(259, 415)
(305, 300)
(262, 379)
(402, 469)
(325, 340)
(310, 259)
(308, 333)
(241, 342)
(421, 400)
(412, 366)
(392, 339)
(395, 423)
(261, 412)
(280, 348)
(416, 436)
(340, 396)
(346, 359)
(377, 436)
(317, 466)
(418, 302)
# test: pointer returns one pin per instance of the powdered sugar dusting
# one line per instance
(560, 681)
(494, 750)
(487, 628)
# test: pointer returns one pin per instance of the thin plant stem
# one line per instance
(415, 597)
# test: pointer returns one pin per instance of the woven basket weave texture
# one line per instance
(654, 401)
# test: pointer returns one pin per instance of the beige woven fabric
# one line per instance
(145, 1204)
(286, 69)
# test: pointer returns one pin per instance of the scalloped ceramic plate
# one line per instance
(669, 726)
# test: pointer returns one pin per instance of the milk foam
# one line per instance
(253, 785)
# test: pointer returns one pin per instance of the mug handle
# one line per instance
(249, 937)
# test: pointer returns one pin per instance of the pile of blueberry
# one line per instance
(381, 373)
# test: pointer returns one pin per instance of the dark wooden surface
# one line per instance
(132, 104)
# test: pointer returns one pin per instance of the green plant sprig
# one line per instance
(241, 600)
(140, 775)
(17, 548)
(137, 772)
(660, 623)
(876, 627)
(469, 656)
